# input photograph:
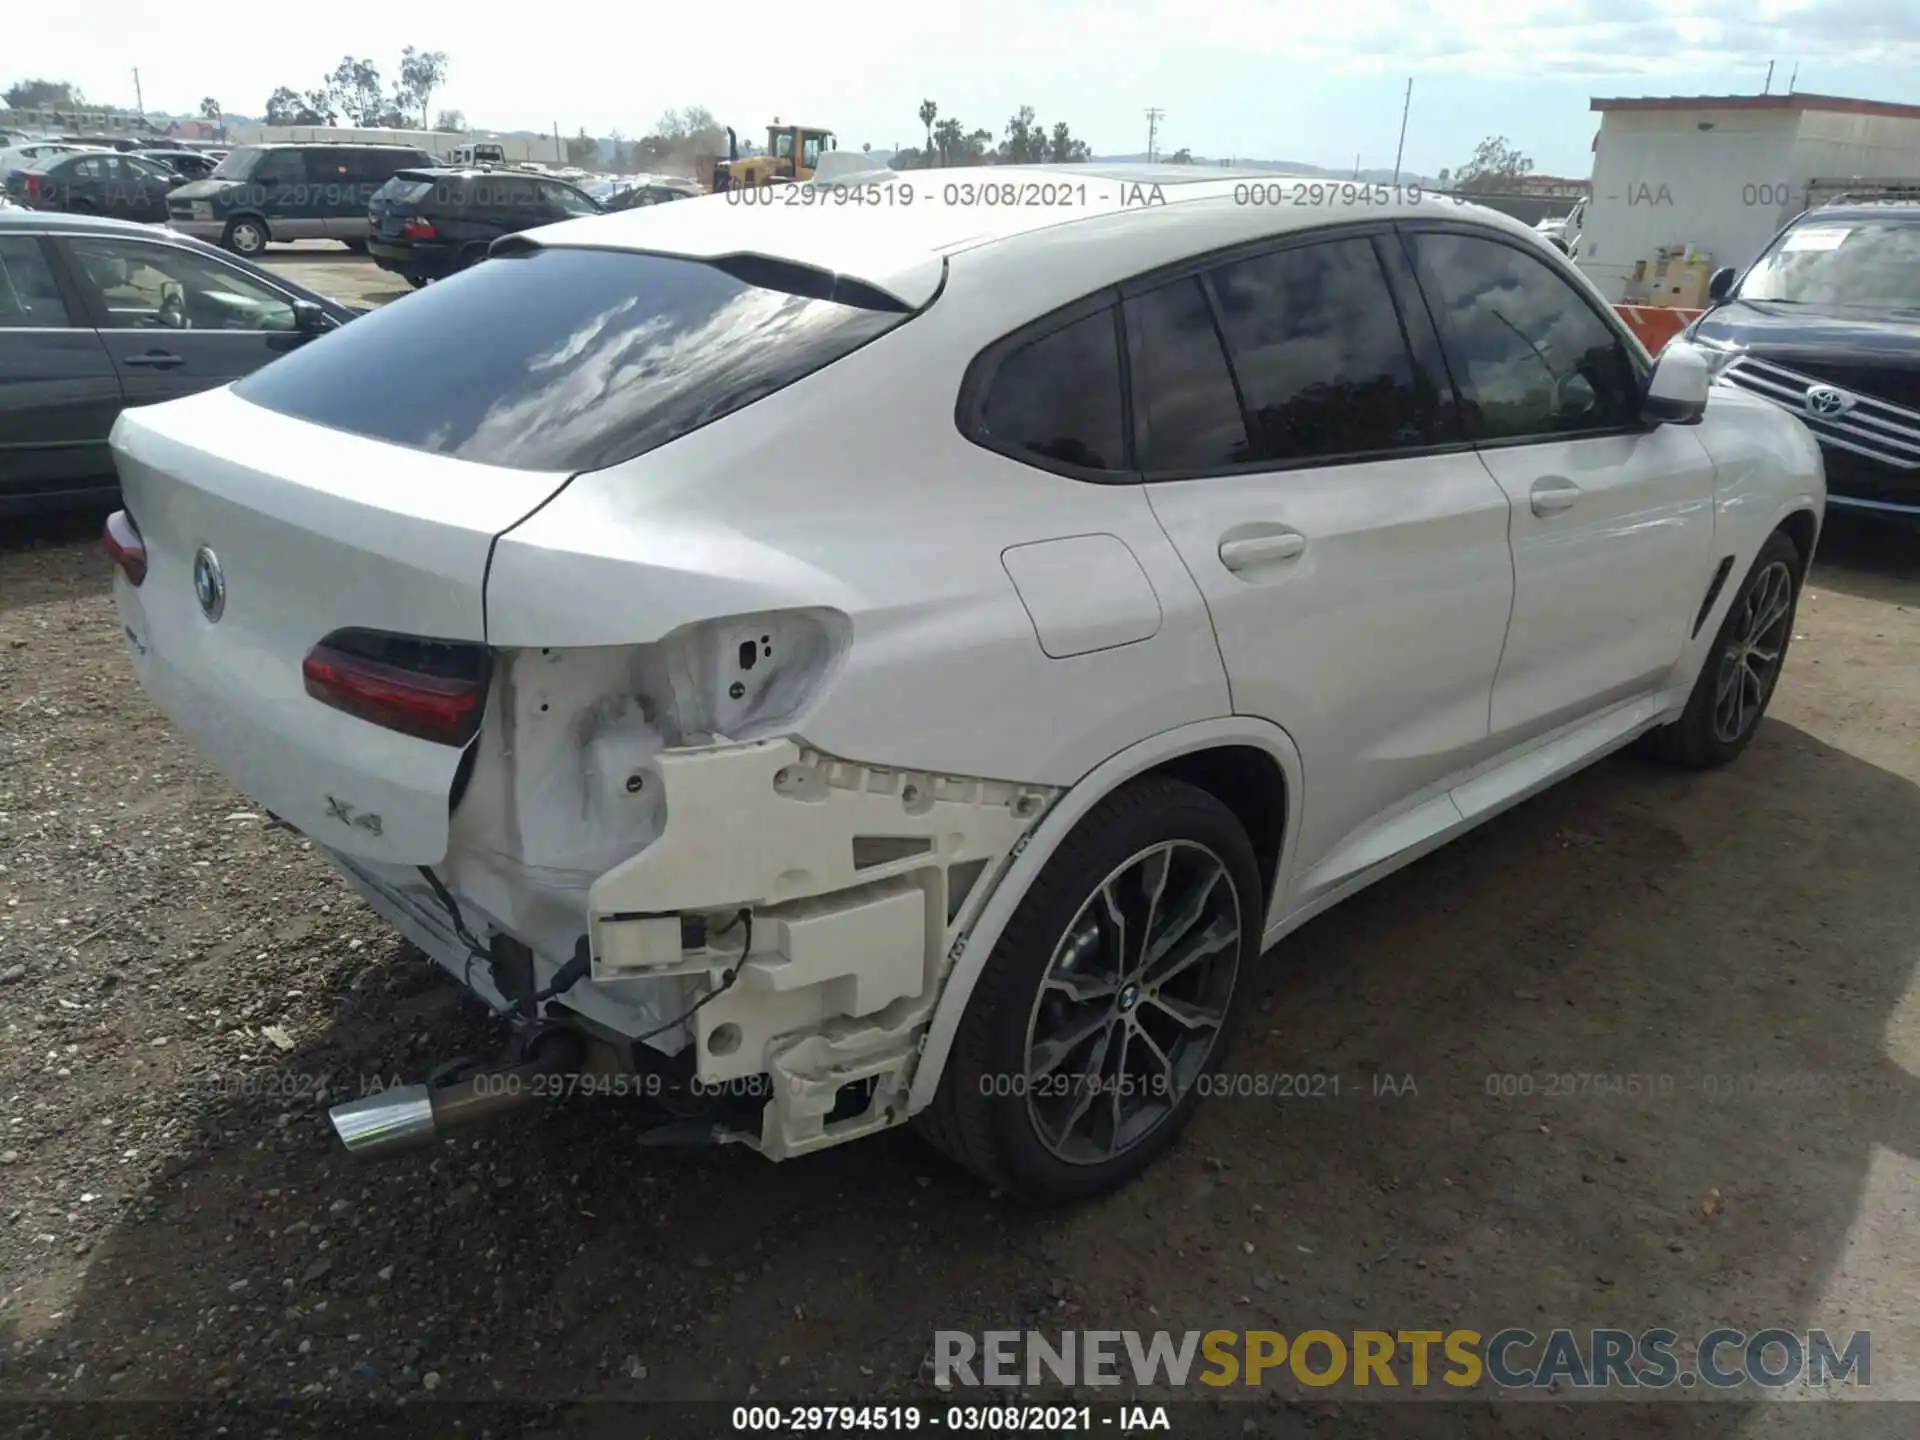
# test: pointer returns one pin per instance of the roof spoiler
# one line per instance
(768, 272)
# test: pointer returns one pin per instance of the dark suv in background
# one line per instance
(1826, 323)
(429, 222)
(265, 193)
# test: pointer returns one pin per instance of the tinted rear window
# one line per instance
(1058, 397)
(562, 359)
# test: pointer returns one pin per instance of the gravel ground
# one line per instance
(182, 991)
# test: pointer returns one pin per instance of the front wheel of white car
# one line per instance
(1738, 677)
(1109, 1001)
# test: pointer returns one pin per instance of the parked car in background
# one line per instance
(189, 164)
(426, 224)
(26, 156)
(628, 192)
(1826, 324)
(856, 664)
(261, 194)
(103, 142)
(97, 182)
(99, 314)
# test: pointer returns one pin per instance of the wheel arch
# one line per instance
(1250, 765)
(1802, 527)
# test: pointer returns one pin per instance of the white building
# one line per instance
(1722, 173)
(545, 149)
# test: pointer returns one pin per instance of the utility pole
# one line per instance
(139, 101)
(1793, 77)
(1401, 148)
(559, 154)
(1154, 116)
(1767, 89)
(1356, 164)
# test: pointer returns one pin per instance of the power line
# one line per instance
(1154, 116)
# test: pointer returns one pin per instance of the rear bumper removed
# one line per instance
(853, 880)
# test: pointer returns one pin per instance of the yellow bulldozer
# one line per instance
(792, 153)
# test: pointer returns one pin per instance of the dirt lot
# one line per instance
(334, 271)
(173, 1227)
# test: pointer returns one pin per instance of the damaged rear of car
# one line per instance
(568, 770)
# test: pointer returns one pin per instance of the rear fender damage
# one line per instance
(650, 798)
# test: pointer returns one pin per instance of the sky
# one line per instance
(1298, 80)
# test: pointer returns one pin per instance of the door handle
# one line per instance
(1552, 494)
(1239, 554)
(155, 359)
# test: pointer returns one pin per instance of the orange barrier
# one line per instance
(1656, 324)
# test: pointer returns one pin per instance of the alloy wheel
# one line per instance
(1132, 1003)
(1750, 661)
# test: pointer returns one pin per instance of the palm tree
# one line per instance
(929, 112)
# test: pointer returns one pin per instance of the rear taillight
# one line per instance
(419, 230)
(122, 542)
(431, 689)
(33, 184)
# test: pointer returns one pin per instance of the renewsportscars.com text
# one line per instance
(1377, 1360)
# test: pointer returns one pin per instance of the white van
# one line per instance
(483, 152)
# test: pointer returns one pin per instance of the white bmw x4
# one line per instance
(822, 664)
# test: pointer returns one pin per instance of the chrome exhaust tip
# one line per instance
(383, 1124)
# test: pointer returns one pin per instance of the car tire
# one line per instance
(416, 280)
(1731, 694)
(356, 247)
(246, 235)
(471, 256)
(1016, 1076)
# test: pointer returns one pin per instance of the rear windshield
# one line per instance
(565, 358)
(406, 188)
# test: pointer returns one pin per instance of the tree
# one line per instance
(958, 146)
(582, 149)
(318, 107)
(287, 106)
(683, 142)
(1495, 166)
(1063, 149)
(211, 113)
(354, 87)
(421, 73)
(1182, 156)
(44, 95)
(450, 120)
(1026, 142)
(866, 147)
(929, 112)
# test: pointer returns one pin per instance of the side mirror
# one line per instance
(309, 318)
(1720, 283)
(1677, 392)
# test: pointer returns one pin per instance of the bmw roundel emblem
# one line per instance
(1826, 400)
(209, 584)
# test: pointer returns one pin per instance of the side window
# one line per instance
(1183, 392)
(149, 287)
(810, 151)
(1321, 356)
(94, 167)
(1058, 397)
(286, 167)
(1530, 354)
(783, 145)
(29, 295)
